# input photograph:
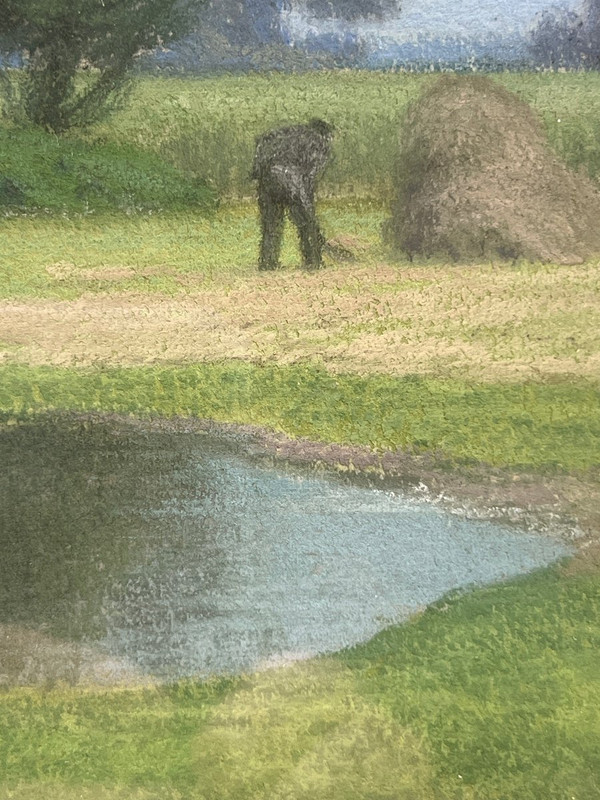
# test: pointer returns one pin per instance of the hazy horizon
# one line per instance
(431, 19)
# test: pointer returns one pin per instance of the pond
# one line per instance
(180, 554)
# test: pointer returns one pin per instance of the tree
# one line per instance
(60, 38)
(565, 38)
(354, 9)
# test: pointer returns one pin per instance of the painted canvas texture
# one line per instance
(299, 400)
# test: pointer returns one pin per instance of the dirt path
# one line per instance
(464, 322)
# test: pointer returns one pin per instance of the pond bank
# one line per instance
(177, 548)
(567, 503)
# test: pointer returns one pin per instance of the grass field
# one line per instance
(490, 695)
(207, 126)
(488, 363)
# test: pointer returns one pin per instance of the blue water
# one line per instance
(182, 555)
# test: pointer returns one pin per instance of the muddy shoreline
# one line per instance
(567, 504)
(558, 506)
(564, 505)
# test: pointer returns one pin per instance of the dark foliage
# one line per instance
(564, 38)
(102, 37)
(43, 172)
(353, 9)
(11, 194)
(242, 24)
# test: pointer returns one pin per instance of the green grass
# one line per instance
(505, 683)
(137, 738)
(489, 695)
(546, 427)
(39, 171)
(206, 126)
(218, 246)
(492, 695)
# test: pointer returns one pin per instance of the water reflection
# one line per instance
(73, 522)
(181, 555)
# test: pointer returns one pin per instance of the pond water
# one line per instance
(180, 554)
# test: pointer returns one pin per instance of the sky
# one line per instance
(441, 18)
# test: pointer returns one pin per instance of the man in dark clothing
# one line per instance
(287, 163)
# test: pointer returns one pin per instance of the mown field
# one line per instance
(494, 694)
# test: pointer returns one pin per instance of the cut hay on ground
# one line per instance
(468, 322)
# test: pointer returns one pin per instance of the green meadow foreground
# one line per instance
(485, 377)
(490, 695)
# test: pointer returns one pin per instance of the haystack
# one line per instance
(477, 179)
